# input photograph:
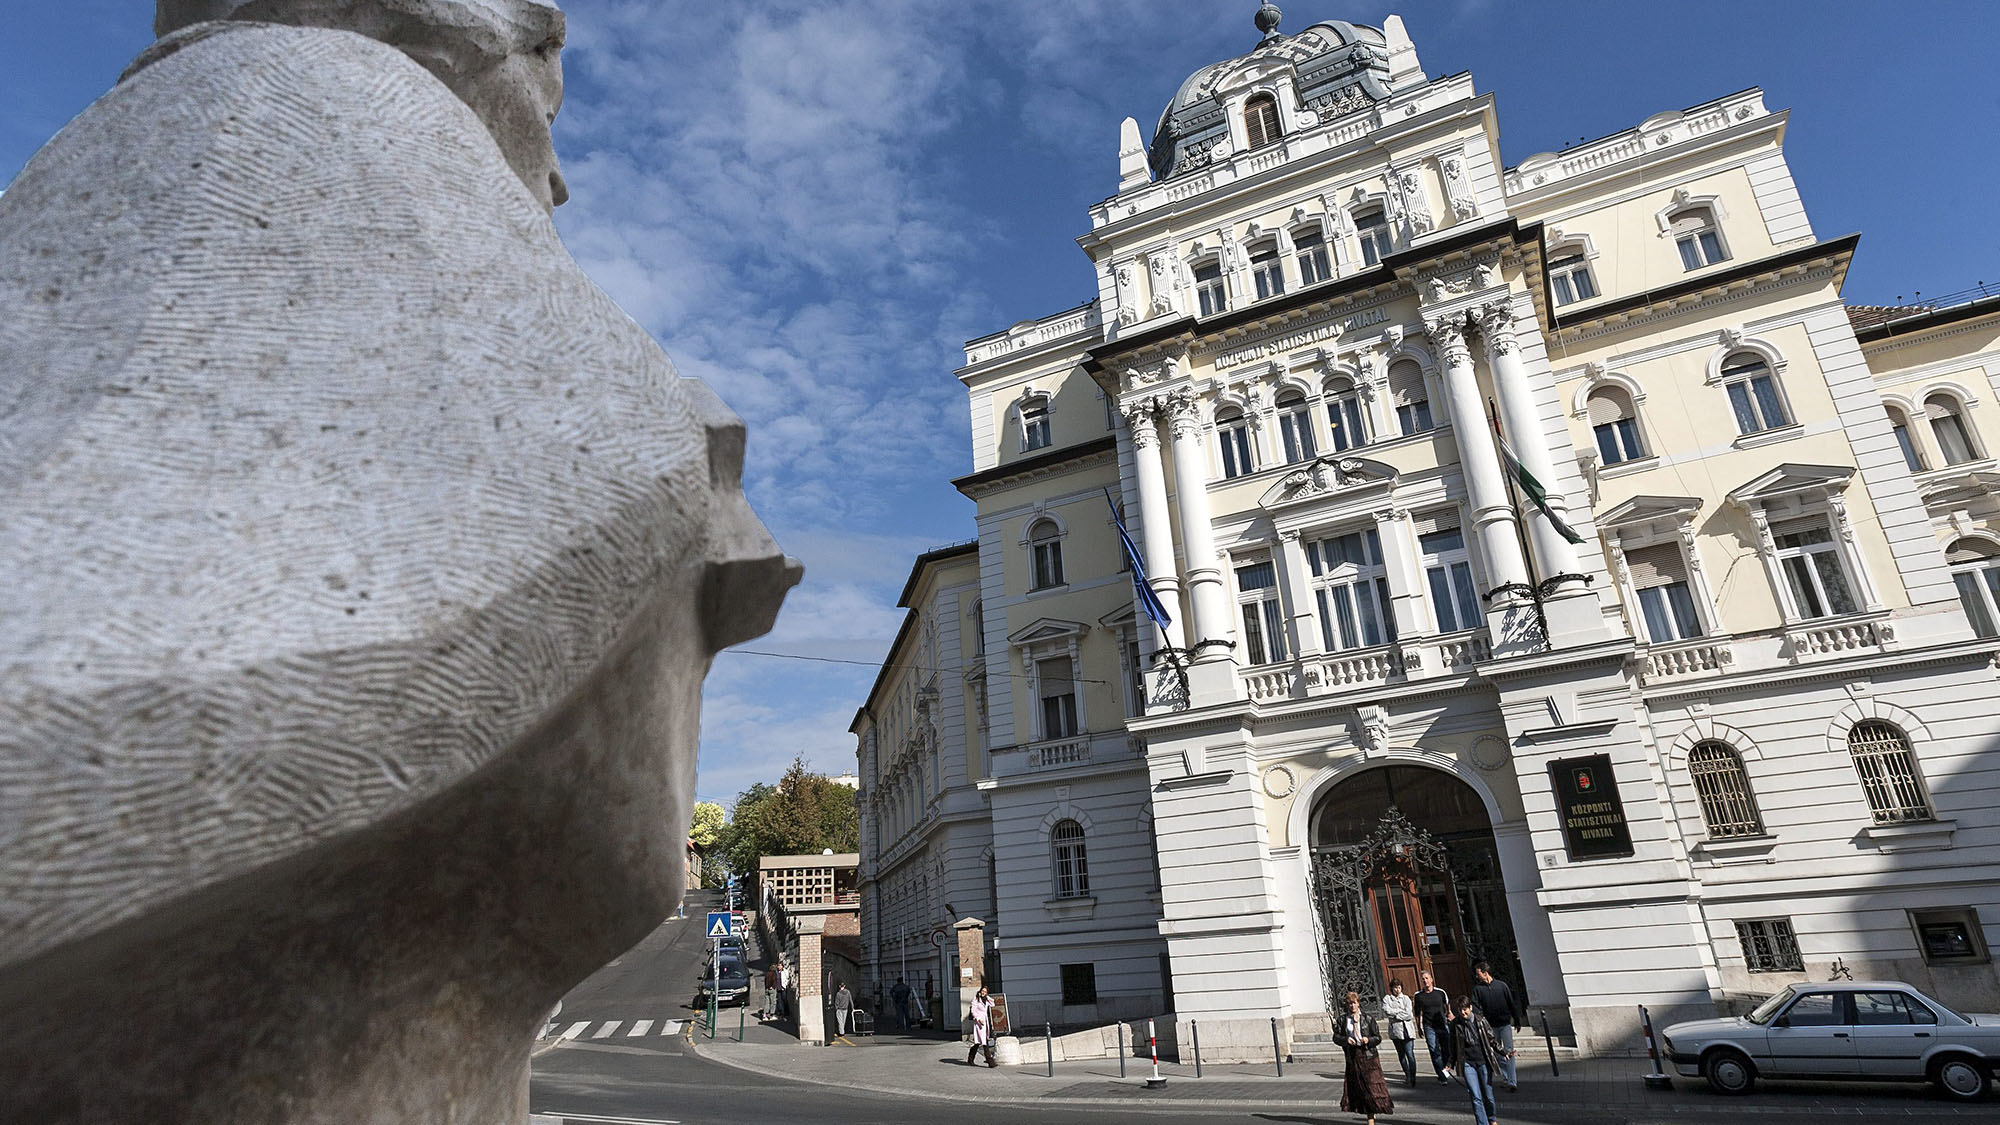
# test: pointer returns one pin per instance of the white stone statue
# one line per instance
(363, 563)
(1163, 275)
(1125, 287)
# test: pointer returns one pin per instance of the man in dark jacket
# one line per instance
(1476, 1054)
(1434, 1017)
(1500, 1007)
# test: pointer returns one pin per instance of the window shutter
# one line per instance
(1406, 383)
(1429, 523)
(1939, 406)
(1799, 527)
(1659, 565)
(1056, 677)
(1606, 406)
(1967, 551)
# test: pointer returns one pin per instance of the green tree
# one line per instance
(707, 824)
(804, 814)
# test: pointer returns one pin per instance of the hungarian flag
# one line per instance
(1148, 600)
(1537, 495)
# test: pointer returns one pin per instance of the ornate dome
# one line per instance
(1341, 67)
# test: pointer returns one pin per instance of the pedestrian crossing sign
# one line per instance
(719, 924)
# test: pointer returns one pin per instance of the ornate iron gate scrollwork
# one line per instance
(1349, 960)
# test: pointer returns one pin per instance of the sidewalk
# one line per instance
(934, 1068)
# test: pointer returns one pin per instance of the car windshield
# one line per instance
(1763, 1012)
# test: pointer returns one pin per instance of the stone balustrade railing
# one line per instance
(1463, 650)
(1067, 752)
(1665, 662)
(1809, 639)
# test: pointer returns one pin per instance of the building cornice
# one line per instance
(1042, 465)
(1828, 258)
(1876, 334)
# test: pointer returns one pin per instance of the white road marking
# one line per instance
(639, 1029)
(610, 1120)
(576, 1029)
(670, 1027)
(609, 1027)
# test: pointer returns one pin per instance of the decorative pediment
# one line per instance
(1961, 490)
(1047, 630)
(1641, 510)
(1792, 479)
(1121, 618)
(1326, 476)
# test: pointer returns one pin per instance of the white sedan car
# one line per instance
(1875, 1031)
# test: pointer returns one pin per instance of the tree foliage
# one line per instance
(707, 824)
(804, 814)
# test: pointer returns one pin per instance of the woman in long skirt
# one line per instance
(1365, 1090)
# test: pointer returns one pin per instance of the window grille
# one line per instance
(1072, 868)
(1888, 770)
(1723, 786)
(1769, 946)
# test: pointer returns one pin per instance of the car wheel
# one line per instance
(1960, 1077)
(1728, 1072)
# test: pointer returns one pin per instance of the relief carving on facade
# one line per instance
(1164, 272)
(1407, 188)
(1125, 283)
(1458, 187)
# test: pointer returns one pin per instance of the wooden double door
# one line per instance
(1417, 927)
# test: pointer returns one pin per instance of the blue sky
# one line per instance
(812, 205)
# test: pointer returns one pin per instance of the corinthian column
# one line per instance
(1554, 555)
(1206, 595)
(1478, 457)
(1155, 528)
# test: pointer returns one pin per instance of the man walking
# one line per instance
(900, 997)
(1433, 1016)
(1502, 1010)
(843, 1007)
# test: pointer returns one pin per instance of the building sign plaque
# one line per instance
(1593, 818)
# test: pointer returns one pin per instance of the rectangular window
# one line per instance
(1079, 984)
(1659, 575)
(1263, 614)
(1979, 590)
(1569, 277)
(1058, 691)
(1268, 271)
(1699, 244)
(1768, 946)
(1753, 396)
(1295, 427)
(1235, 449)
(1313, 265)
(1813, 570)
(1414, 418)
(1351, 592)
(1034, 424)
(1909, 447)
(1135, 680)
(1617, 442)
(1210, 289)
(1448, 571)
(1949, 936)
(1373, 227)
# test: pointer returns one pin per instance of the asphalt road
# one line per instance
(645, 1077)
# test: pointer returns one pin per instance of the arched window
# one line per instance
(1976, 570)
(1699, 239)
(1411, 397)
(1954, 439)
(1888, 771)
(1295, 427)
(1569, 275)
(1615, 424)
(1343, 414)
(1899, 424)
(1310, 246)
(1072, 868)
(1727, 805)
(1210, 289)
(1260, 120)
(1372, 226)
(1267, 270)
(1753, 393)
(1035, 431)
(1045, 554)
(1233, 429)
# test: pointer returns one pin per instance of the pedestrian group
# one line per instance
(1471, 1040)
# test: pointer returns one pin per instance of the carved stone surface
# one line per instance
(364, 563)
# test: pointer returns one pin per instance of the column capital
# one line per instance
(1448, 333)
(1183, 412)
(1139, 415)
(1390, 515)
(1496, 323)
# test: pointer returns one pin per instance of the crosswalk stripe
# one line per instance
(639, 1028)
(576, 1029)
(609, 1027)
(670, 1027)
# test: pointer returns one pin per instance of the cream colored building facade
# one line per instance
(1747, 731)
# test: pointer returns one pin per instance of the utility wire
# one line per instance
(878, 665)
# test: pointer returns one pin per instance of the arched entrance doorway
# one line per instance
(1406, 878)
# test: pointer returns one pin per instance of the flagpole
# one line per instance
(1534, 584)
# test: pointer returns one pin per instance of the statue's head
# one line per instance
(501, 57)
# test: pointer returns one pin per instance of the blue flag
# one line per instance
(1148, 600)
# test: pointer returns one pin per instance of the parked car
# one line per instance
(1875, 1031)
(734, 984)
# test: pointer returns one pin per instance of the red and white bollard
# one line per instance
(1155, 1082)
(1658, 1079)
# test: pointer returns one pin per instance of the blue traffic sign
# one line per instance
(721, 923)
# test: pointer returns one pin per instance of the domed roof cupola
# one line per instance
(1337, 68)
